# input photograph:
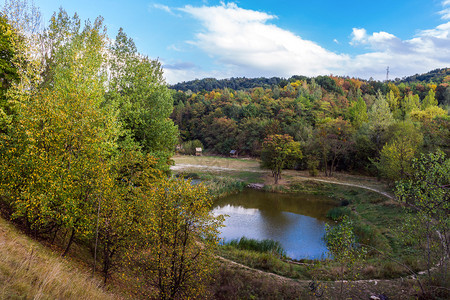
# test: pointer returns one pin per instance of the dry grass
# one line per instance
(28, 270)
(220, 162)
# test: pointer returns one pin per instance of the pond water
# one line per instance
(297, 221)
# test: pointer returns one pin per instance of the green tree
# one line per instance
(380, 118)
(358, 113)
(277, 151)
(334, 137)
(8, 69)
(429, 100)
(397, 154)
(343, 247)
(144, 101)
(410, 102)
(426, 191)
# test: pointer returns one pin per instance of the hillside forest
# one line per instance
(342, 124)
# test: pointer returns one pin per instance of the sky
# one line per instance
(356, 38)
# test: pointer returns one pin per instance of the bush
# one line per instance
(189, 147)
(262, 246)
(312, 166)
(222, 186)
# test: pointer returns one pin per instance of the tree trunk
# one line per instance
(69, 244)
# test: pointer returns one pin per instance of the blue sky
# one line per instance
(197, 39)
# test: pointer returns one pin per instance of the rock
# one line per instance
(256, 186)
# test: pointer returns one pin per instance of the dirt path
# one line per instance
(183, 166)
(348, 184)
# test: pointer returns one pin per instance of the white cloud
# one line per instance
(245, 40)
(445, 13)
(163, 8)
(245, 43)
(359, 35)
(336, 41)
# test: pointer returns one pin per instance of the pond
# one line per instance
(297, 221)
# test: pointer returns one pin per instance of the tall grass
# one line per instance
(262, 246)
(337, 213)
(222, 186)
(28, 270)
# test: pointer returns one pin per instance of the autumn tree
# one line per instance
(181, 234)
(58, 160)
(277, 151)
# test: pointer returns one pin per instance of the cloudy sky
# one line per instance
(204, 38)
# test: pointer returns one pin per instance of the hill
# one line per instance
(29, 270)
(437, 76)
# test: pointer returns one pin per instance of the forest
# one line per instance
(343, 124)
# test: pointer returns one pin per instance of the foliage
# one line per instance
(189, 147)
(397, 154)
(277, 152)
(334, 138)
(145, 103)
(55, 166)
(311, 110)
(343, 247)
(426, 191)
(8, 70)
(181, 234)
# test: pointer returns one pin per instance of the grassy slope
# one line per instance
(29, 270)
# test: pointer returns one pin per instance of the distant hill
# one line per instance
(241, 83)
(437, 76)
(209, 84)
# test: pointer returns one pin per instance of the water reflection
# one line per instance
(296, 221)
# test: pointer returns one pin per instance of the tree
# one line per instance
(334, 137)
(429, 100)
(380, 118)
(343, 247)
(57, 163)
(277, 151)
(8, 68)
(397, 154)
(181, 235)
(144, 101)
(358, 113)
(426, 191)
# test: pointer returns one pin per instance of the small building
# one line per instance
(198, 151)
(234, 153)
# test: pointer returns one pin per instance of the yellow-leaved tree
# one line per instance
(181, 234)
